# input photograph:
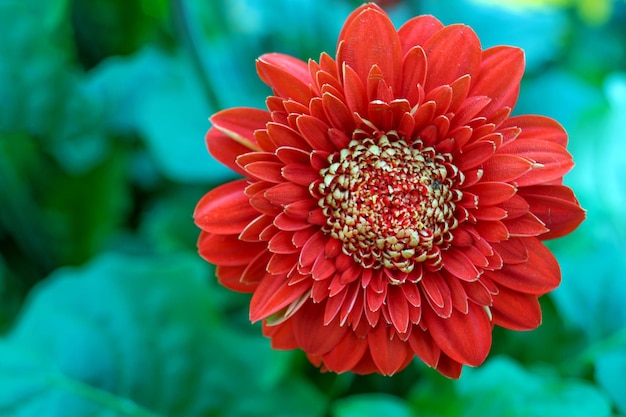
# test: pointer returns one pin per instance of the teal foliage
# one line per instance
(107, 310)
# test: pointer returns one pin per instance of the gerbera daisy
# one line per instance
(390, 207)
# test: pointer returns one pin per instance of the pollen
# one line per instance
(392, 204)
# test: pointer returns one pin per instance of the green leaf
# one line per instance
(42, 89)
(371, 405)
(591, 296)
(503, 388)
(140, 337)
(162, 99)
(610, 372)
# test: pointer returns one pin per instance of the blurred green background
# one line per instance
(106, 309)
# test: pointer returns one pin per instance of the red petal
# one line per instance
(492, 193)
(460, 90)
(475, 154)
(252, 232)
(539, 275)
(288, 76)
(311, 334)
(516, 311)
(369, 38)
(323, 267)
(265, 171)
(390, 354)
(554, 161)
(312, 248)
(437, 293)
(273, 294)
(469, 109)
(287, 193)
(284, 221)
(282, 264)
(459, 265)
(230, 277)
(301, 209)
(282, 335)
(489, 213)
(417, 31)
(346, 354)
(338, 114)
(284, 136)
(516, 206)
(413, 74)
(556, 206)
(525, 225)
(505, 168)
(398, 307)
(282, 242)
(452, 52)
(225, 209)
(424, 115)
(227, 249)
(449, 367)
(356, 97)
(477, 293)
(513, 251)
(501, 71)
(256, 269)
(233, 134)
(538, 128)
(466, 338)
(315, 132)
(424, 346)
(492, 231)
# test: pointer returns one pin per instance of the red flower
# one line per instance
(391, 207)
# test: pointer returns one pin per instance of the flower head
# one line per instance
(391, 206)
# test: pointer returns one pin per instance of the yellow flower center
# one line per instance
(390, 203)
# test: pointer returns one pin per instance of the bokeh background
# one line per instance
(105, 307)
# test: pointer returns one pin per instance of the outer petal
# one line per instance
(516, 311)
(556, 206)
(539, 275)
(551, 160)
(417, 31)
(539, 128)
(227, 250)
(390, 354)
(466, 338)
(346, 354)
(452, 52)
(369, 38)
(500, 74)
(225, 209)
(273, 294)
(233, 134)
(288, 76)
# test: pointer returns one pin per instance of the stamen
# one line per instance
(390, 203)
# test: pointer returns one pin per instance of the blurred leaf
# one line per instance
(591, 297)
(139, 337)
(41, 85)
(371, 405)
(160, 97)
(610, 372)
(559, 94)
(502, 388)
(114, 27)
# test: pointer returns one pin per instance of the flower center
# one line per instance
(391, 204)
